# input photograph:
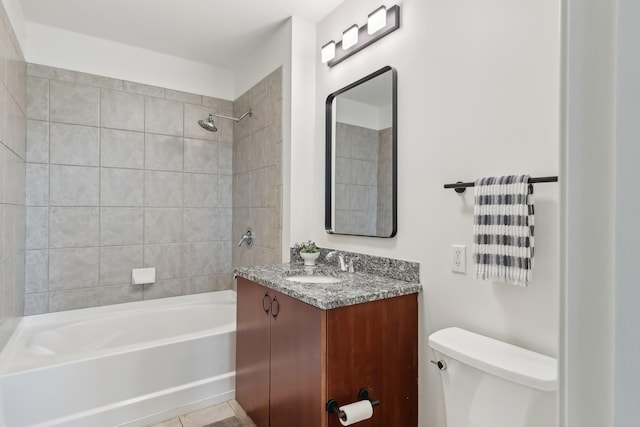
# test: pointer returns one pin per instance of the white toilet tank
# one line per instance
(489, 383)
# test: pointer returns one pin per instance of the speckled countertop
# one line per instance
(354, 288)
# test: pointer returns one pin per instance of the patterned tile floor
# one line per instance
(227, 414)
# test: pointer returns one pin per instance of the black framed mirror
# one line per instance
(361, 175)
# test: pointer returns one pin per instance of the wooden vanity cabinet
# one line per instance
(292, 357)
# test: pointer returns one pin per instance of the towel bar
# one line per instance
(460, 186)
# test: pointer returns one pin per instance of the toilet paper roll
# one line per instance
(356, 412)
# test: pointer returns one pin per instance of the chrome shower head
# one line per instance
(211, 127)
(208, 124)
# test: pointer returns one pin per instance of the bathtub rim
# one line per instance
(8, 352)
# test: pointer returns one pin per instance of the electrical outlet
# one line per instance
(459, 259)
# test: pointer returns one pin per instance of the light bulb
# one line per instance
(377, 20)
(350, 37)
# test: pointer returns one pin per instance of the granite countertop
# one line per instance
(355, 288)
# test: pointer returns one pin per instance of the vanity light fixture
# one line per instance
(350, 37)
(380, 22)
(377, 20)
(328, 51)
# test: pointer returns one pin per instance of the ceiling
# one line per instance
(215, 32)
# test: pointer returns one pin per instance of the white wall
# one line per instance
(588, 214)
(64, 49)
(478, 95)
(358, 113)
(627, 317)
(16, 17)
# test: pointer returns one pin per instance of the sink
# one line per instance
(302, 276)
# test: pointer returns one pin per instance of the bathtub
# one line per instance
(129, 364)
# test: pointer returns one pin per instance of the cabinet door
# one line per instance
(252, 350)
(375, 346)
(298, 356)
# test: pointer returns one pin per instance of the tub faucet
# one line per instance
(247, 237)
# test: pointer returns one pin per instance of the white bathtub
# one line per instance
(129, 364)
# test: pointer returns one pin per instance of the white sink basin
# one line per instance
(313, 278)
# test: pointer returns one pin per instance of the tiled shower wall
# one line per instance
(257, 173)
(356, 178)
(384, 219)
(119, 176)
(12, 178)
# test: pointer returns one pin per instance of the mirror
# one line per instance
(361, 157)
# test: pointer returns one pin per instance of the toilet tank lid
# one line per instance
(498, 358)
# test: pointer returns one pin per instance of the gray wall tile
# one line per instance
(121, 187)
(74, 186)
(163, 116)
(163, 189)
(100, 81)
(121, 226)
(73, 268)
(225, 264)
(36, 271)
(121, 149)
(116, 263)
(74, 299)
(200, 190)
(163, 289)
(224, 223)
(122, 110)
(177, 95)
(15, 179)
(74, 227)
(143, 89)
(163, 225)
(201, 259)
(163, 152)
(200, 224)
(118, 294)
(118, 201)
(73, 103)
(193, 113)
(225, 191)
(15, 128)
(50, 72)
(37, 185)
(37, 228)
(37, 98)
(200, 156)
(167, 259)
(74, 145)
(225, 160)
(37, 141)
(36, 303)
(197, 285)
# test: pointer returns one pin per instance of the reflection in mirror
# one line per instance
(361, 149)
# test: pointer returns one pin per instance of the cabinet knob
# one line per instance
(266, 306)
(275, 307)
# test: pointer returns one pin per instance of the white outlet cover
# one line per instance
(459, 259)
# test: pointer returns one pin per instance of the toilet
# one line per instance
(489, 383)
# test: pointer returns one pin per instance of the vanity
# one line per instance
(300, 344)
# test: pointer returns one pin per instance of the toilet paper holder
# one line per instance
(334, 408)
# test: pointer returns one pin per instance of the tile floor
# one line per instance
(227, 414)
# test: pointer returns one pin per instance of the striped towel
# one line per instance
(503, 229)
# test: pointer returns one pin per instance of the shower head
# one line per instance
(208, 124)
(211, 127)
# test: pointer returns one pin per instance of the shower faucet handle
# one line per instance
(247, 237)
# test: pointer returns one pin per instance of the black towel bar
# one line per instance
(460, 186)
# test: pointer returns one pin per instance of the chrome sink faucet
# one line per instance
(330, 255)
(343, 264)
